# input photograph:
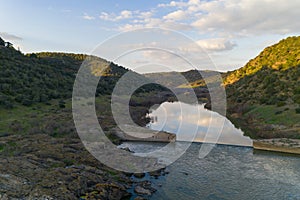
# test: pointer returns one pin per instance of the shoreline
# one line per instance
(280, 145)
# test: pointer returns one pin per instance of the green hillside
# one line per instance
(271, 78)
(264, 95)
(280, 57)
(41, 77)
(34, 78)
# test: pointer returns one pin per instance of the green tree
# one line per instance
(2, 42)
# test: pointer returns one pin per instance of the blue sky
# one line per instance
(230, 31)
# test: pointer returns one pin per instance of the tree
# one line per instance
(2, 42)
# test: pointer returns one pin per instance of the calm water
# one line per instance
(195, 123)
(227, 172)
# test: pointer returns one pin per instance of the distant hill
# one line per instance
(271, 78)
(187, 79)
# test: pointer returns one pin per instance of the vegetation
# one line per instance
(42, 77)
(272, 78)
(267, 89)
(280, 57)
(264, 92)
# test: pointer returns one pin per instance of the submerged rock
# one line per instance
(140, 190)
(139, 175)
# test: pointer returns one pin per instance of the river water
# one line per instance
(194, 123)
(231, 170)
(227, 172)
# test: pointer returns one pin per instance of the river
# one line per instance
(231, 170)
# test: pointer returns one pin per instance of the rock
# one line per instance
(185, 173)
(3, 197)
(208, 106)
(139, 175)
(139, 198)
(139, 190)
(156, 173)
(127, 149)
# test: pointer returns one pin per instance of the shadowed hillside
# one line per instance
(41, 77)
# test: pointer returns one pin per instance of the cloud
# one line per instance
(157, 23)
(145, 15)
(11, 37)
(88, 17)
(125, 14)
(218, 18)
(176, 15)
(243, 17)
(216, 44)
(237, 17)
(106, 16)
(172, 4)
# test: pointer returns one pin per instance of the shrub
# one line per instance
(281, 103)
(27, 102)
(62, 104)
(297, 110)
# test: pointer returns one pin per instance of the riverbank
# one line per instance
(41, 156)
(283, 145)
(141, 134)
(272, 128)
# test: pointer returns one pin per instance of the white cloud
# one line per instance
(156, 23)
(237, 17)
(125, 14)
(107, 17)
(244, 17)
(145, 15)
(176, 15)
(179, 4)
(88, 17)
(10, 37)
(173, 4)
(216, 44)
(218, 18)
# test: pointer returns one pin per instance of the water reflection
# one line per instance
(194, 121)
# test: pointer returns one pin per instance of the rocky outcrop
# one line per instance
(41, 167)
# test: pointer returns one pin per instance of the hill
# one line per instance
(271, 78)
(187, 79)
(37, 130)
(264, 96)
(41, 77)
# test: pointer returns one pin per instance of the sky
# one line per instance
(230, 32)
